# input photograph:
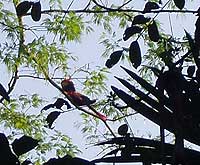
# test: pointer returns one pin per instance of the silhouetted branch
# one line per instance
(116, 10)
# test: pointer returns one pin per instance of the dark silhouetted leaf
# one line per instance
(198, 75)
(148, 87)
(114, 58)
(108, 63)
(135, 54)
(197, 32)
(36, 11)
(80, 161)
(153, 32)
(191, 70)
(160, 83)
(167, 57)
(24, 144)
(26, 162)
(68, 160)
(140, 19)
(190, 39)
(60, 161)
(3, 93)
(23, 7)
(52, 117)
(149, 6)
(194, 49)
(198, 12)
(179, 3)
(130, 31)
(123, 129)
(48, 107)
(113, 152)
(58, 104)
(6, 155)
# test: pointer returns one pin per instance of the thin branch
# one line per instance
(125, 4)
(117, 10)
(101, 6)
(36, 77)
(13, 81)
(121, 117)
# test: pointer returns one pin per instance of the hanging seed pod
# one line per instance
(52, 117)
(23, 7)
(123, 129)
(179, 3)
(149, 6)
(36, 11)
(108, 63)
(24, 144)
(114, 58)
(153, 32)
(191, 70)
(135, 54)
(140, 19)
(131, 31)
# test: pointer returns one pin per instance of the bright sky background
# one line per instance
(89, 51)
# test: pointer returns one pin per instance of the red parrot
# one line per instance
(78, 98)
(68, 85)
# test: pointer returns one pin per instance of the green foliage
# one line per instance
(40, 55)
(95, 82)
(67, 27)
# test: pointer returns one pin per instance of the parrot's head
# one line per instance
(67, 85)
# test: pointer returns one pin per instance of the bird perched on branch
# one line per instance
(78, 98)
(68, 85)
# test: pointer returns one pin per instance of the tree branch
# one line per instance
(116, 10)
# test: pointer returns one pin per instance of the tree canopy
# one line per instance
(43, 79)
